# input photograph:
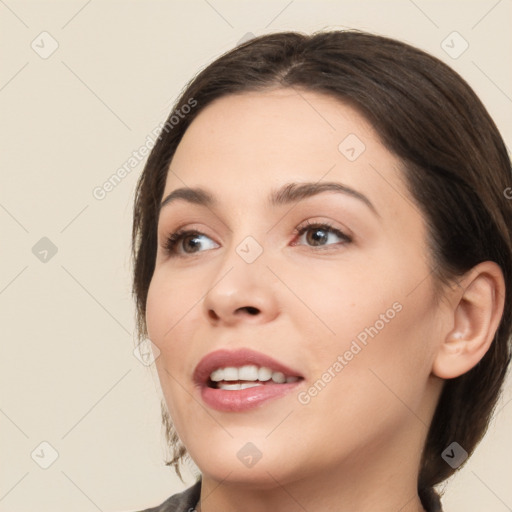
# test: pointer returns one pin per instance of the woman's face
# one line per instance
(346, 311)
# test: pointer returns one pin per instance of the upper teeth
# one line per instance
(249, 372)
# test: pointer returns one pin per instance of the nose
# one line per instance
(241, 292)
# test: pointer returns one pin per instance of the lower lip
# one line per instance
(244, 399)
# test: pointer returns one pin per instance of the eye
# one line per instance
(319, 234)
(188, 240)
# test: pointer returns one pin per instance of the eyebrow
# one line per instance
(289, 193)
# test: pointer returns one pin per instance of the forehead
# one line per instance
(257, 141)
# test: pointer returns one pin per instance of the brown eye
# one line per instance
(318, 235)
(186, 240)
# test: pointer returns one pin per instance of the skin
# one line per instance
(356, 445)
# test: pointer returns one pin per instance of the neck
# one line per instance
(375, 480)
(319, 496)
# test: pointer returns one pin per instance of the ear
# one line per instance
(477, 309)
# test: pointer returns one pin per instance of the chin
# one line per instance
(263, 477)
(243, 463)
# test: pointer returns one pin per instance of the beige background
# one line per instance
(68, 374)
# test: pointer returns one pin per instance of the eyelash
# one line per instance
(175, 238)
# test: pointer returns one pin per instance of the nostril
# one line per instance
(212, 314)
(251, 310)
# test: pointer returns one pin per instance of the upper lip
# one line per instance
(225, 358)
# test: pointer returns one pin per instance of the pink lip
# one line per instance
(243, 399)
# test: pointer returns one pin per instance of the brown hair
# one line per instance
(454, 162)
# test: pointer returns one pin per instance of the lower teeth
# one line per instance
(237, 385)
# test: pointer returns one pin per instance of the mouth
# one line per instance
(248, 376)
(242, 379)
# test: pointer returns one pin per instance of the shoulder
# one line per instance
(182, 502)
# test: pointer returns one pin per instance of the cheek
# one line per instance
(371, 324)
(366, 390)
(386, 357)
(171, 311)
(345, 301)
(171, 304)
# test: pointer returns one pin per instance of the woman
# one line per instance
(323, 256)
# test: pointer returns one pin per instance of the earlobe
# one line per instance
(477, 312)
